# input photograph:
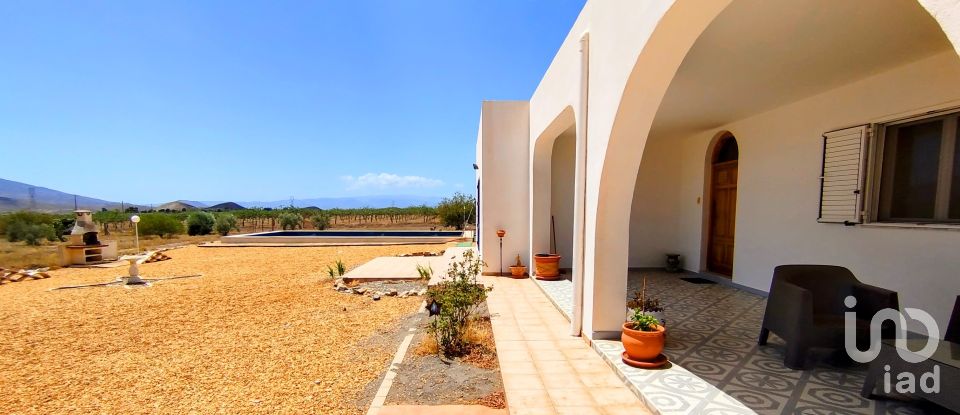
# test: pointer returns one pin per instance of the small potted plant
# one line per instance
(643, 338)
(644, 333)
(518, 270)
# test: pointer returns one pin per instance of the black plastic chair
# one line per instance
(806, 309)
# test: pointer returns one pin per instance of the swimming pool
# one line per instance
(347, 237)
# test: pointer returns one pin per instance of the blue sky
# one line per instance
(225, 100)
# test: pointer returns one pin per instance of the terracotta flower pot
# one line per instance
(518, 272)
(642, 346)
(547, 265)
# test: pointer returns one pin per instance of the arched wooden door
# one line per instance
(723, 206)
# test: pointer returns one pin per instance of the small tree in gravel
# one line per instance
(453, 302)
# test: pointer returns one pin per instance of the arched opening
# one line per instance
(780, 75)
(562, 170)
(552, 190)
(722, 205)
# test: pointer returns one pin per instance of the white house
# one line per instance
(741, 134)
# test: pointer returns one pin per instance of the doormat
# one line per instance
(698, 280)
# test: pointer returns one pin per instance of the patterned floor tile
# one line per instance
(712, 332)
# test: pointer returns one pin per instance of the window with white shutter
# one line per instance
(842, 175)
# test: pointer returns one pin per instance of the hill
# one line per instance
(350, 202)
(16, 195)
(176, 206)
(225, 206)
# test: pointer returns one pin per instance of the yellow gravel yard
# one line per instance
(260, 332)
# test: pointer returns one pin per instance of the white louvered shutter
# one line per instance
(842, 176)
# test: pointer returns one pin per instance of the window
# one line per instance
(919, 171)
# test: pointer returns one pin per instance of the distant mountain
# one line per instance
(349, 202)
(225, 206)
(16, 196)
(177, 206)
(195, 203)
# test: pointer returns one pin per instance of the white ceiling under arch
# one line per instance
(760, 54)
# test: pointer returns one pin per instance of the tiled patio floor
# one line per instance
(669, 390)
(544, 369)
(712, 332)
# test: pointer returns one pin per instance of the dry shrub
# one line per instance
(481, 349)
(454, 302)
(427, 346)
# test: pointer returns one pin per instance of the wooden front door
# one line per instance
(723, 213)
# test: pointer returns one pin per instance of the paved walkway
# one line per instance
(545, 370)
(405, 268)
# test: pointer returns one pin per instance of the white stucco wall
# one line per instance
(654, 221)
(561, 194)
(503, 157)
(778, 192)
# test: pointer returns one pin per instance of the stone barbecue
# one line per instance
(84, 246)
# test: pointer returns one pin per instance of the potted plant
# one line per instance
(643, 338)
(518, 270)
(547, 265)
(644, 333)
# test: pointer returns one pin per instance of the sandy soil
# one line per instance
(261, 332)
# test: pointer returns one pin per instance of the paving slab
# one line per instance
(405, 268)
(545, 370)
(395, 268)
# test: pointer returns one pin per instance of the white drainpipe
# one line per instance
(580, 189)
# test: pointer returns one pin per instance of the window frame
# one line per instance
(877, 180)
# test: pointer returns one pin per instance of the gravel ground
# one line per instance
(428, 380)
(261, 332)
(386, 286)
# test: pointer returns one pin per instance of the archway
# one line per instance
(551, 189)
(666, 98)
